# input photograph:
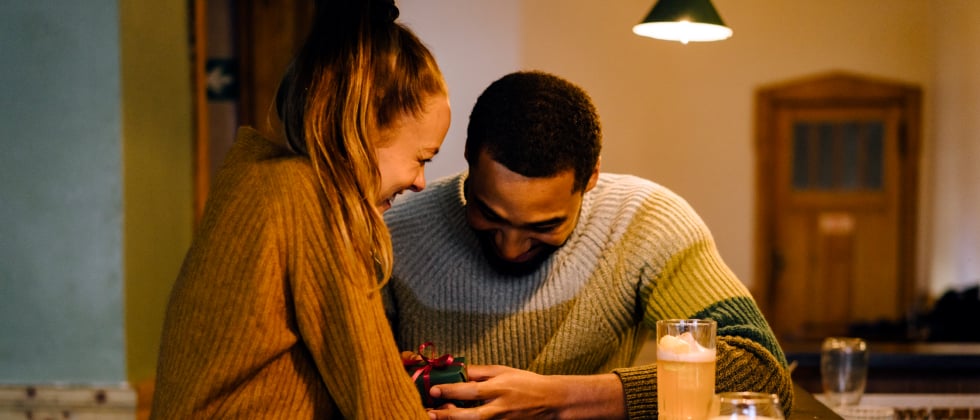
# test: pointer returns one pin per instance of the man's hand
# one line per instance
(410, 356)
(509, 393)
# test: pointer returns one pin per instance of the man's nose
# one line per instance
(511, 244)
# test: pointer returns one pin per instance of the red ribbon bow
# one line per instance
(428, 363)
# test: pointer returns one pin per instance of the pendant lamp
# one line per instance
(684, 21)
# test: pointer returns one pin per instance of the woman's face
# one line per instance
(409, 144)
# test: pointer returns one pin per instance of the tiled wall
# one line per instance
(51, 402)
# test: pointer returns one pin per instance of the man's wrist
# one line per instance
(593, 397)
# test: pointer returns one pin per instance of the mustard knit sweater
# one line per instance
(639, 253)
(255, 327)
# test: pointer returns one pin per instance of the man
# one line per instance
(548, 276)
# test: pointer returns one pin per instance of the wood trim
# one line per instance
(918, 295)
(763, 208)
(202, 148)
(244, 40)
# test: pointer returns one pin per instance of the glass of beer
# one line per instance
(685, 368)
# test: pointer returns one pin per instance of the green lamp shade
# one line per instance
(684, 21)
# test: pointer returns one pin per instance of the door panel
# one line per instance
(836, 218)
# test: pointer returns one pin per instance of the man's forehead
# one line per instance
(490, 170)
(518, 198)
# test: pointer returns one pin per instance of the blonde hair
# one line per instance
(357, 72)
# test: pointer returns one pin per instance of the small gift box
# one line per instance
(430, 371)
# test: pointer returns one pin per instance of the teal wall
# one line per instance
(61, 309)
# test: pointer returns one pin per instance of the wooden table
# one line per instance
(806, 407)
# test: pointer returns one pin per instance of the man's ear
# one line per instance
(595, 175)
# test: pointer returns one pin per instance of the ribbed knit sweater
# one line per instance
(255, 327)
(639, 253)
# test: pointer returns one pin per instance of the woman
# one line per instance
(276, 312)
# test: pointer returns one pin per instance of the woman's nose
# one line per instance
(418, 184)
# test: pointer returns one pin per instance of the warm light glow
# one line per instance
(683, 31)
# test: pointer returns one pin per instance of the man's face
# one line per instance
(520, 221)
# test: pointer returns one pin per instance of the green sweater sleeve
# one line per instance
(695, 283)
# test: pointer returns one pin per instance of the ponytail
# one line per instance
(357, 71)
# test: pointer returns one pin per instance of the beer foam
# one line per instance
(683, 348)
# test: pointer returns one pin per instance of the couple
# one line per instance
(544, 274)
(535, 262)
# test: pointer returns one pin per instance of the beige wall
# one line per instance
(682, 115)
(955, 214)
(475, 42)
(157, 152)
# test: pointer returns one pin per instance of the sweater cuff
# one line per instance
(640, 390)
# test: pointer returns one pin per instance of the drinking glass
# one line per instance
(746, 406)
(843, 370)
(685, 368)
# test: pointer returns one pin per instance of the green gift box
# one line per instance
(442, 370)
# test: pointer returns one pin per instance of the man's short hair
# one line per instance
(536, 124)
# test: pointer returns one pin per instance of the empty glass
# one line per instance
(843, 370)
(746, 406)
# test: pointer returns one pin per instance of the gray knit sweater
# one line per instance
(639, 253)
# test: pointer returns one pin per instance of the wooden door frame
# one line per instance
(827, 90)
(202, 134)
(267, 34)
(270, 33)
